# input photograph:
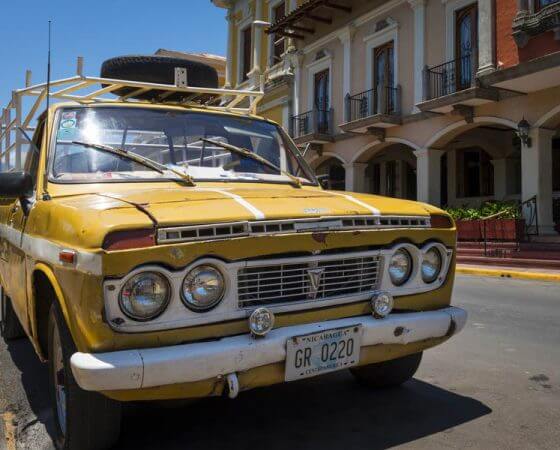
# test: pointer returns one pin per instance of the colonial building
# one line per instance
(252, 54)
(450, 102)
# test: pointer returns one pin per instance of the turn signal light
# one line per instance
(441, 221)
(124, 240)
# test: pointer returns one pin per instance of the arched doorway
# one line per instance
(331, 174)
(390, 171)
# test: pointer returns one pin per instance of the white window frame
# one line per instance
(451, 7)
(312, 69)
(273, 4)
(241, 26)
(377, 39)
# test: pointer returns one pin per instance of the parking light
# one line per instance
(261, 322)
(381, 304)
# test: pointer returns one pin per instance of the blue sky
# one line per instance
(98, 30)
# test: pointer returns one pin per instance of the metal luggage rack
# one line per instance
(67, 89)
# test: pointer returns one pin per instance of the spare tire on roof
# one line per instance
(157, 69)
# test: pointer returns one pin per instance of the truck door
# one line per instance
(14, 251)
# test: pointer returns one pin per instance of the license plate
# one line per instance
(326, 351)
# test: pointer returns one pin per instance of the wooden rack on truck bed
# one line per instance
(67, 89)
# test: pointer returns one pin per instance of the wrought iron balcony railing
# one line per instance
(381, 100)
(316, 121)
(450, 77)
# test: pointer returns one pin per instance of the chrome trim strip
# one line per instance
(172, 235)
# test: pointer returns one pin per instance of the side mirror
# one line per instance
(16, 185)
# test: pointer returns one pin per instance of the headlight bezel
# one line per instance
(160, 310)
(188, 304)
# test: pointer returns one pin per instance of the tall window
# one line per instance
(391, 178)
(246, 57)
(383, 76)
(375, 178)
(278, 41)
(466, 38)
(321, 100)
(476, 173)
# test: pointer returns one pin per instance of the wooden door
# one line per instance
(383, 76)
(321, 100)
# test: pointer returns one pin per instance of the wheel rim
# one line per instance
(59, 381)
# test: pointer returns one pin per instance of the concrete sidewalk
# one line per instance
(509, 272)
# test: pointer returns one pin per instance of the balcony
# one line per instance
(376, 108)
(315, 126)
(453, 85)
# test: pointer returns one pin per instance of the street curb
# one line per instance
(464, 270)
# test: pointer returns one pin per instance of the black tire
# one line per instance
(92, 421)
(388, 373)
(157, 69)
(10, 326)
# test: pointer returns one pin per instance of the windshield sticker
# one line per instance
(68, 115)
(66, 134)
(68, 123)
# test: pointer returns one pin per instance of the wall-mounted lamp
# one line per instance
(523, 128)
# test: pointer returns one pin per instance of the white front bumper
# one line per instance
(143, 368)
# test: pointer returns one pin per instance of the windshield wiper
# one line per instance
(142, 160)
(295, 181)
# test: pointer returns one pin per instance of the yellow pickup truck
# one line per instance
(171, 249)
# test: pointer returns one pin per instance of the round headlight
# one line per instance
(203, 288)
(400, 267)
(431, 265)
(144, 296)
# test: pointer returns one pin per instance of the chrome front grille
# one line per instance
(307, 280)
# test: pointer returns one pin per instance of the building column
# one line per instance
(419, 8)
(355, 176)
(536, 176)
(297, 62)
(346, 39)
(500, 178)
(451, 177)
(230, 49)
(486, 33)
(428, 175)
(257, 45)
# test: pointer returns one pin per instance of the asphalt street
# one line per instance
(495, 385)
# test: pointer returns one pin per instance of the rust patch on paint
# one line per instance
(319, 237)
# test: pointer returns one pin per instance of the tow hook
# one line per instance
(232, 385)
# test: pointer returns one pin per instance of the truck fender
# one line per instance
(59, 296)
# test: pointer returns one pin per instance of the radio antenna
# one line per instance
(46, 195)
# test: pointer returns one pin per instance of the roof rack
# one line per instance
(67, 89)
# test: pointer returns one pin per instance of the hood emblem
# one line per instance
(314, 276)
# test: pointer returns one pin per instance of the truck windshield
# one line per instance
(181, 140)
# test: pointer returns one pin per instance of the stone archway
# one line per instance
(469, 163)
(331, 171)
(387, 168)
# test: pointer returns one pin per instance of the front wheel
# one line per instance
(83, 420)
(388, 373)
(10, 327)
